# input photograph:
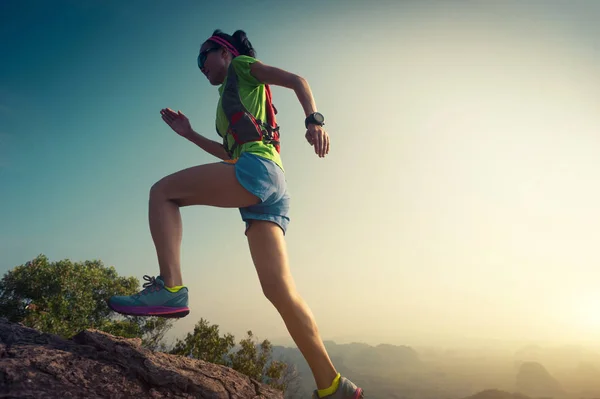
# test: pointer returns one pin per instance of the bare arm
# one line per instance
(181, 125)
(315, 135)
(212, 147)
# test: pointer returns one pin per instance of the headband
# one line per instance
(225, 43)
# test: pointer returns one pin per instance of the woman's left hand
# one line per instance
(318, 138)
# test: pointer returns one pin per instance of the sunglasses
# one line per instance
(203, 55)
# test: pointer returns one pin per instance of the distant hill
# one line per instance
(373, 367)
(569, 356)
(360, 356)
(585, 379)
(400, 372)
(496, 394)
(533, 379)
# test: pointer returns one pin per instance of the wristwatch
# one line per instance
(315, 118)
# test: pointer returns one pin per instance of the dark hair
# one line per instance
(239, 40)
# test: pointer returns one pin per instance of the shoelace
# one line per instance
(151, 283)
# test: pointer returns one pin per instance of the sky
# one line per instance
(459, 200)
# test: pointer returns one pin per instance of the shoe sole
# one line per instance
(158, 311)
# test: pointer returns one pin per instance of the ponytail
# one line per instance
(242, 44)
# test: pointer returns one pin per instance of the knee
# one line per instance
(279, 293)
(158, 190)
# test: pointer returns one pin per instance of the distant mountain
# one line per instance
(533, 379)
(565, 355)
(496, 394)
(585, 379)
(401, 372)
(360, 356)
(373, 367)
(576, 367)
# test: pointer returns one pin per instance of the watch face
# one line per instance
(319, 118)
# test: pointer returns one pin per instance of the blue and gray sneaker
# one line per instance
(153, 300)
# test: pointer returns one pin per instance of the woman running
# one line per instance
(250, 177)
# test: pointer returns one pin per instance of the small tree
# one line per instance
(66, 297)
(252, 359)
(290, 381)
(205, 343)
(256, 361)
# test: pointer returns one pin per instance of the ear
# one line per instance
(225, 53)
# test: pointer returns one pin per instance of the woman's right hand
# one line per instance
(318, 138)
(177, 121)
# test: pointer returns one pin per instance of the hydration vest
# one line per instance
(243, 126)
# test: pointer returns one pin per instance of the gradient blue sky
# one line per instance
(460, 198)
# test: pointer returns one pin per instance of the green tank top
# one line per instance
(253, 96)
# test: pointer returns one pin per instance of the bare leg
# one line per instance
(212, 184)
(166, 230)
(269, 253)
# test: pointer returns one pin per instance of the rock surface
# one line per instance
(94, 364)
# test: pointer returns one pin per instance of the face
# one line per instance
(213, 61)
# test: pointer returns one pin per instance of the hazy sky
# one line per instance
(460, 197)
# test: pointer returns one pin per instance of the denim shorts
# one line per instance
(265, 179)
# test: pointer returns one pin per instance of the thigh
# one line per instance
(213, 184)
(269, 255)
